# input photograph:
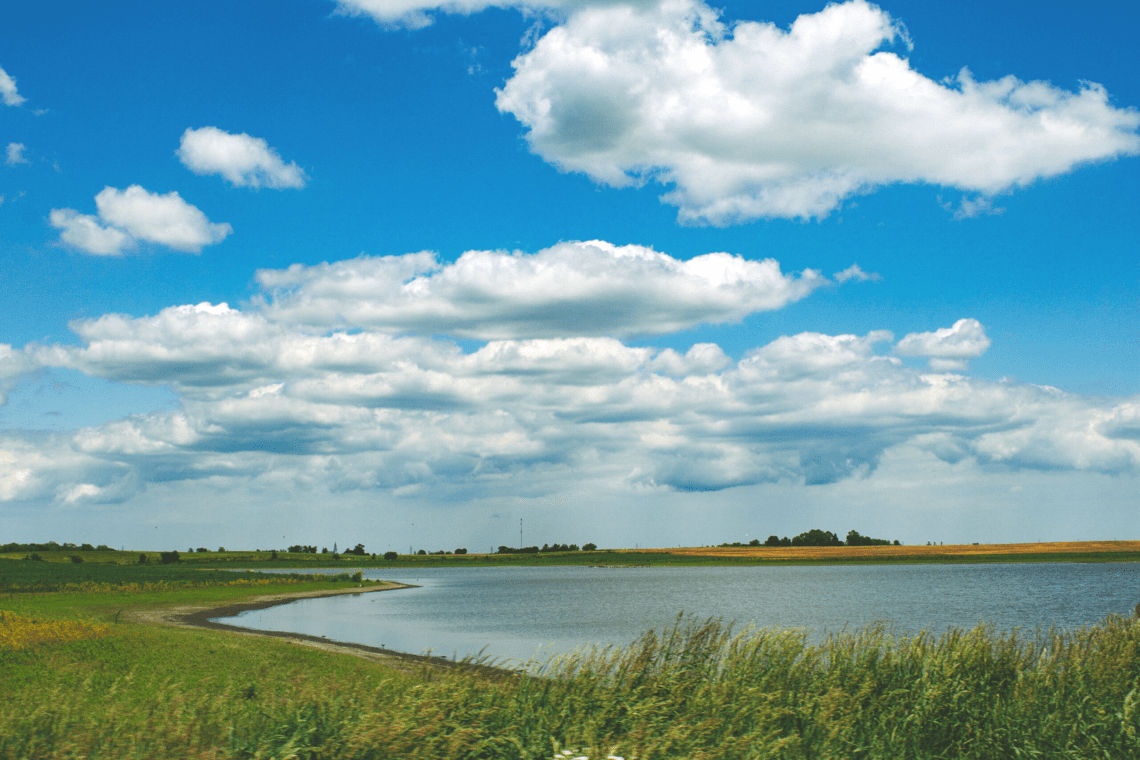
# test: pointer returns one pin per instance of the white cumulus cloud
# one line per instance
(949, 348)
(134, 214)
(573, 288)
(8, 90)
(83, 231)
(750, 120)
(280, 394)
(243, 160)
(15, 154)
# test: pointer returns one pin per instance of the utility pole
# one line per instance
(520, 533)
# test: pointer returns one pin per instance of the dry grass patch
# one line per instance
(18, 632)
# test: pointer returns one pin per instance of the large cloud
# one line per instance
(8, 91)
(342, 381)
(242, 160)
(574, 288)
(363, 410)
(753, 121)
(134, 214)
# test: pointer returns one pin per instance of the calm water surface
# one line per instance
(533, 612)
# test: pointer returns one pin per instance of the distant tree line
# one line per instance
(547, 549)
(817, 537)
(52, 546)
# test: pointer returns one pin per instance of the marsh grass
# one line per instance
(696, 690)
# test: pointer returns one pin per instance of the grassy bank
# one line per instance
(93, 687)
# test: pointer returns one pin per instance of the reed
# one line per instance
(696, 690)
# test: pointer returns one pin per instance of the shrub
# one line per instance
(391, 556)
(143, 559)
(358, 576)
(460, 551)
(168, 558)
(76, 559)
(589, 547)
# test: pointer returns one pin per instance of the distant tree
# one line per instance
(421, 552)
(589, 547)
(324, 550)
(817, 537)
(358, 550)
(103, 548)
(754, 542)
(202, 550)
(221, 550)
(854, 539)
(87, 547)
(273, 555)
(898, 544)
(143, 559)
(168, 558)
(460, 551)
(574, 548)
(389, 556)
(76, 559)
(772, 541)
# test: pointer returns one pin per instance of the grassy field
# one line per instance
(81, 680)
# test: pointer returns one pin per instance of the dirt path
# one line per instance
(191, 616)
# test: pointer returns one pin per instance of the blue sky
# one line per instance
(703, 372)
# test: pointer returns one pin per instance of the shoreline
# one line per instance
(184, 616)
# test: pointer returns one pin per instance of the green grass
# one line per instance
(695, 691)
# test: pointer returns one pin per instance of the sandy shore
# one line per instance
(189, 616)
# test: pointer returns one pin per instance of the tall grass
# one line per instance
(696, 690)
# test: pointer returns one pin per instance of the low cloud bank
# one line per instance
(282, 391)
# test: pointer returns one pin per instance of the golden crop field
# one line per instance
(20, 632)
(854, 552)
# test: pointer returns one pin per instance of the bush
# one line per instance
(76, 559)
(421, 552)
(391, 556)
(460, 551)
(169, 558)
(143, 559)
(358, 576)
(589, 547)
